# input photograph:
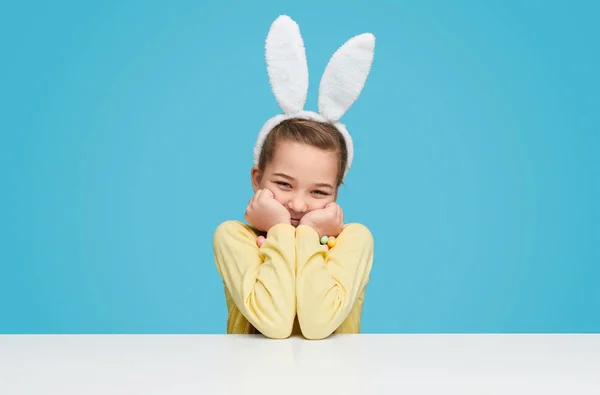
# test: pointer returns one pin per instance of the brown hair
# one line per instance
(322, 135)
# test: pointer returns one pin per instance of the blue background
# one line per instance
(127, 132)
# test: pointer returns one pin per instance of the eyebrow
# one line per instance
(284, 176)
(320, 185)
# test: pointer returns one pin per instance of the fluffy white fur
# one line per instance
(345, 76)
(341, 83)
(286, 64)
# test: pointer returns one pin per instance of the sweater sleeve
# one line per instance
(329, 282)
(261, 281)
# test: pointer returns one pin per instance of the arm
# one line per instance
(328, 283)
(261, 281)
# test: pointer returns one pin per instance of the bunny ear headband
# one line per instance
(341, 83)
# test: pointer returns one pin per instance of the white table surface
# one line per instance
(343, 364)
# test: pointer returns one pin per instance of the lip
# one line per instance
(295, 221)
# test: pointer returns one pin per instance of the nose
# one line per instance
(297, 205)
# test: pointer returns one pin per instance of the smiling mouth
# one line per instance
(294, 220)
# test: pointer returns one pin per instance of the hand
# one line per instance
(263, 211)
(328, 221)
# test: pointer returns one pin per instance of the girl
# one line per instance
(296, 268)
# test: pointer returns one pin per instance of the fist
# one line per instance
(263, 211)
(328, 221)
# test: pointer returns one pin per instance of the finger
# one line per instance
(258, 195)
(266, 194)
(269, 193)
(338, 213)
(334, 208)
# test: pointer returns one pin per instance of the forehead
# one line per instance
(305, 162)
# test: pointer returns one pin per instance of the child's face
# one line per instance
(302, 178)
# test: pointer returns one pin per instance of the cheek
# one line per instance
(280, 196)
(318, 204)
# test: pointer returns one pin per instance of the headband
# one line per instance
(341, 83)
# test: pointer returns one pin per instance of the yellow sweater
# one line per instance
(292, 284)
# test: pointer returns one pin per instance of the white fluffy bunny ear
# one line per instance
(345, 76)
(286, 64)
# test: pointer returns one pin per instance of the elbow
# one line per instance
(273, 320)
(278, 334)
(317, 325)
(277, 329)
(314, 331)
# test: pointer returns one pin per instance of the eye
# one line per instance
(283, 184)
(322, 193)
